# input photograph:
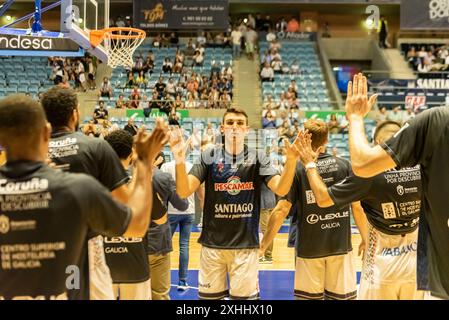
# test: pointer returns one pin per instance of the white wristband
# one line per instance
(310, 165)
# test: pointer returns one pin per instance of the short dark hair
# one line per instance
(59, 104)
(235, 111)
(21, 117)
(121, 141)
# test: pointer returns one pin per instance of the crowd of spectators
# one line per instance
(178, 87)
(430, 59)
(396, 114)
(80, 71)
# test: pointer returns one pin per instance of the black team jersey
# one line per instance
(321, 232)
(44, 219)
(232, 207)
(128, 257)
(424, 140)
(391, 200)
(76, 152)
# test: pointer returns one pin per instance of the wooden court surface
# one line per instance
(283, 257)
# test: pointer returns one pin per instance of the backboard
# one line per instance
(78, 17)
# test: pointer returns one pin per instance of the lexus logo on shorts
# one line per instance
(4, 224)
(312, 218)
(400, 190)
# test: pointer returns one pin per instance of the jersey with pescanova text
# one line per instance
(424, 140)
(391, 200)
(44, 219)
(321, 232)
(232, 207)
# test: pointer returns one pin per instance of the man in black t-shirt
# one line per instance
(233, 175)
(46, 213)
(392, 202)
(324, 264)
(127, 257)
(100, 113)
(424, 141)
(81, 154)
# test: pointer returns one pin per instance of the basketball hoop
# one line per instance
(120, 44)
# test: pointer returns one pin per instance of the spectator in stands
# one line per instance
(190, 49)
(281, 25)
(143, 104)
(422, 66)
(131, 127)
(395, 115)
(266, 57)
(294, 87)
(225, 100)
(271, 36)
(120, 22)
(178, 103)
(283, 102)
(276, 64)
(333, 124)
(250, 42)
(285, 69)
(267, 73)
(236, 40)
(100, 113)
(293, 25)
(409, 114)
(106, 88)
(91, 71)
(190, 103)
(130, 81)
(283, 118)
(174, 39)
(173, 119)
(268, 120)
(171, 87)
(383, 33)
(148, 65)
(294, 68)
(80, 76)
(167, 65)
(269, 105)
(140, 80)
(210, 133)
(138, 64)
(198, 59)
(160, 87)
(120, 103)
(412, 57)
(157, 41)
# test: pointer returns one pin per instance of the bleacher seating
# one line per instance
(313, 94)
(221, 56)
(24, 75)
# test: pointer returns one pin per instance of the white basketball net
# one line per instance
(120, 51)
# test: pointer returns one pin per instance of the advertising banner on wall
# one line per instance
(425, 14)
(181, 14)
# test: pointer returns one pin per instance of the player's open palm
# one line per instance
(178, 145)
(304, 146)
(291, 150)
(357, 102)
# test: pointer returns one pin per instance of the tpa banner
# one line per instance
(181, 14)
(425, 14)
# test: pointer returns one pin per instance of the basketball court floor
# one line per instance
(275, 280)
